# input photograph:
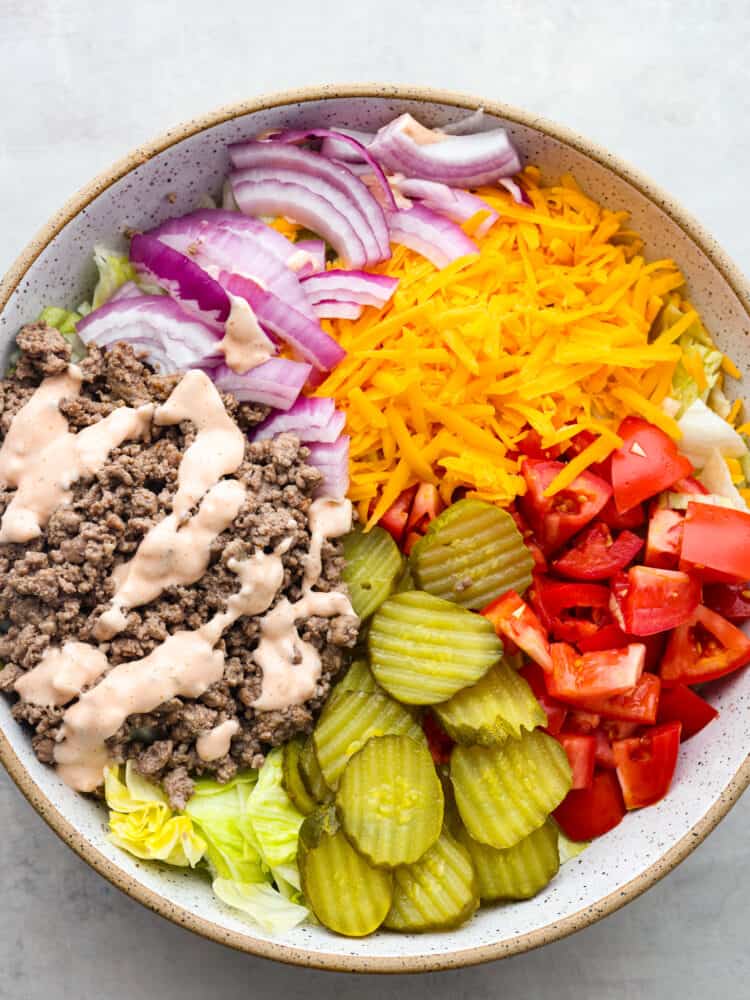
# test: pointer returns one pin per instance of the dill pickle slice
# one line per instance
(405, 581)
(437, 892)
(390, 801)
(518, 872)
(350, 720)
(505, 792)
(372, 566)
(424, 649)
(358, 678)
(345, 893)
(472, 553)
(292, 779)
(311, 774)
(499, 705)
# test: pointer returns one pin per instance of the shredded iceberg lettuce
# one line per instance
(695, 342)
(114, 270)
(65, 321)
(262, 903)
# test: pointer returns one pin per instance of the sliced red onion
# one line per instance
(329, 309)
(431, 235)
(303, 334)
(277, 382)
(127, 291)
(456, 204)
(236, 243)
(173, 339)
(465, 125)
(338, 285)
(459, 160)
(515, 190)
(356, 145)
(311, 418)
(336, 147)
(333, 461)
(309, 258)
(194, 289)
(283, 161)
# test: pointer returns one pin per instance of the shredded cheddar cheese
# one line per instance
(548, 327)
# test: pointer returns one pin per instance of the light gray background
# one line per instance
(664, 85)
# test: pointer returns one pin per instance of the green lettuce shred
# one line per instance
(65, 321)
(697, 339)
(114, 270)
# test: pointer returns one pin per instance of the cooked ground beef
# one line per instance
(54, 588)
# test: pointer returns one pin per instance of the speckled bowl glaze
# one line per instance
(167, 178)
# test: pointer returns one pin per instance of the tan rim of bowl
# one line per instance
(302, 956)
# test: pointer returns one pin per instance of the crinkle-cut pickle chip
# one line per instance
(358, 678)
(518, 872)
(372, 567)
(472, 553)
(294, 783)
(346, 894)
(437, 892)
(499, 705)
(349, 720)
(424, 649)
(390, 801)
(311, 773)
(507, 791)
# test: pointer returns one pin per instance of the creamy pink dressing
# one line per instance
(44, 477)
(184, 665)
(327, 518)
(219, 445)
(171, 556)
(61, 674)
(216, 742)
(244, 344)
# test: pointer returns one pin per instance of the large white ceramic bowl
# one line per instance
(167, 178)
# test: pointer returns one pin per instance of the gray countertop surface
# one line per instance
(665, 85)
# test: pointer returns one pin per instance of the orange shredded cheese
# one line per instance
(548, 327)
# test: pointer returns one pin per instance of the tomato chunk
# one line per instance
(557, 518)
(648, 600)
(680, 704)
(576, 678)
(646, 463)
(425, 507)
(607, 637)
(731, 601)
(664, 538)
(639, 705)
(438, 740)
(586, 813)
(632, 518)
(581, 721)
(596, 556)
(556, 712)
(717, 539)
(570, 611)
(603, 755)
(396, 517)
(513, 619)
(706, 647)
(581, 751)
(646, 764)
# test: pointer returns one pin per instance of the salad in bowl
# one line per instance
(376, 532)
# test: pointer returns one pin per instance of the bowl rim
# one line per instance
(302, 956)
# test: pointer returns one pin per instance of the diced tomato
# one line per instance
(716, 540)
(556, 519)
(689, 485)
(648, 600)
(603, 753)
(540, 560)
(580, 443)
(556, 712)
(607, 637)
(596, 556)
(646, 463)
(513, 619)
(425, 508)
(576, 678)
(531, 446)
(586, 813)
(396, 517)
(664, 538)
(706, 647)
(680, 704)
(617, 729)
(570, 611)
(581, 721)
(438, 740)
(639, 705)
(632, 518)
(731, 601)
(581, 751)
(645, 764)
